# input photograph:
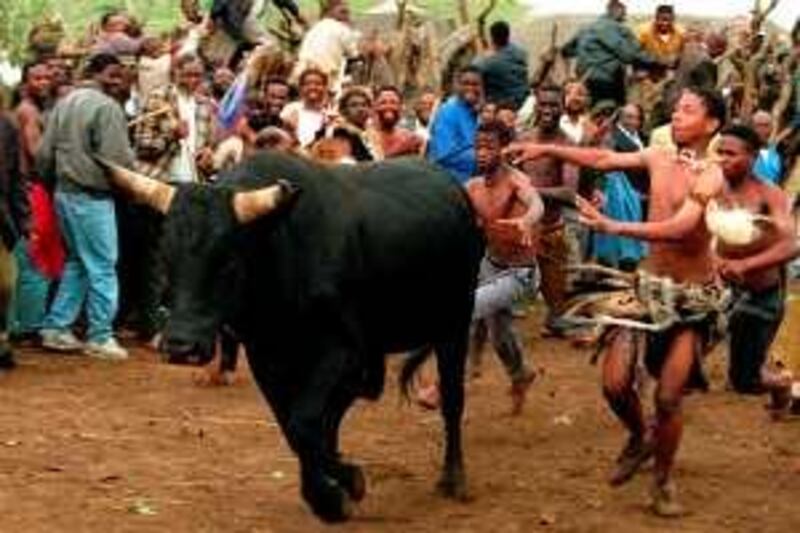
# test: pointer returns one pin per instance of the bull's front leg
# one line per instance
(307, 432)
(451, 359)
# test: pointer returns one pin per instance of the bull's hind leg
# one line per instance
(451, 359)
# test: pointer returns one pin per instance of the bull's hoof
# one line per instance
(329, 501)
(453, 487)
(352, 479)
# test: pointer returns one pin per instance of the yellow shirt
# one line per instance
(666, 48)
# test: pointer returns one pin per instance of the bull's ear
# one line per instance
(250, 205)
(143, 189)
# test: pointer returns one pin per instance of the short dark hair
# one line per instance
(186, 59)
(746, 134)
(500, 33)
(498, 130)
(313, 71)
(469, 69)
(276, 80)
(713, 102)
(388, 89)
(550, 88)
(30, 65)
(507, 105)
(99, 62)
(665, 9)
(351, 93)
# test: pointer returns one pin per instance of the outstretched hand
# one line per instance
(519, 152)
(523, 228)
(591, 217)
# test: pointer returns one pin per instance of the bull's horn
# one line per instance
(250, 205)
(149, 191)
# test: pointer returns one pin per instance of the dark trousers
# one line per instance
(752, 328)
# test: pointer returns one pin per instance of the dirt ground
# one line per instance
(137, 446)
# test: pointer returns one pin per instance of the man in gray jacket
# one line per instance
(603, 50)
(87, 123)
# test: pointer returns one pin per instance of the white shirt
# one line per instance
(308, 121)
(326, 46)
(573, 131)
(182, 167)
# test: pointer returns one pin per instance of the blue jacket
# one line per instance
(452, 140)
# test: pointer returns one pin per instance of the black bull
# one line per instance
(353, 264)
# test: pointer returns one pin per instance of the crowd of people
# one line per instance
(617, 163)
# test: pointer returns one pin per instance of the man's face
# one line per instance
(487, 153)
(665, 23)
(762, 124)
(507, 117)
(736, 159)
(312, 90)
(221, 81)
(470, 88)
(356, 110)
(340, 12)
(116, 23)
(112, 81)
(39, 82)
(488, 113)
(387, 108)
(276, 96)
(424, 107)
(548, 110)
(190, 76)
(690, 120)
(576, 98)
(630, 118)
(59, 71)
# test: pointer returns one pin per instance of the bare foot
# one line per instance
(428, 396)
(664, 501)
(519, 390)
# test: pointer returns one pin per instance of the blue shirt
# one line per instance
(452, 141)
(768, 166)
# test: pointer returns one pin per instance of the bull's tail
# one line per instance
(416, 358)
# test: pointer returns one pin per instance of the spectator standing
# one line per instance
(329, 43)
(661, 37)
(505, 69)
(395, 140)
(30, 298)
(87, 123)
(768, 165)
(306, 118)
(452, 132)
(576, 105)
(603, 50)
(13, 223)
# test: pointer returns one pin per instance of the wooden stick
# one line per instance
(151, 114)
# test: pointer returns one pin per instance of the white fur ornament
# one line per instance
(733, 226)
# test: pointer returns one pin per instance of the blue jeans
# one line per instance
(29, 303)
(89, 226)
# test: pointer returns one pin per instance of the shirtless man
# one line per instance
(507, 209)
(395, 140)
(681, 186)
(553, 180)
(754, 268)
(32, 286)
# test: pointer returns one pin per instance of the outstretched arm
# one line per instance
(597, 158)
(688, 217)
